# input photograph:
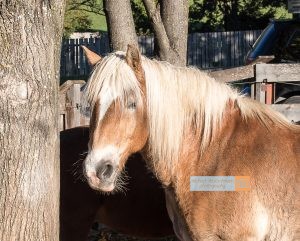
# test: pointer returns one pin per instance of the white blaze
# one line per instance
(106, 100)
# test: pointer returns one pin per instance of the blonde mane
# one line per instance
(178, 99)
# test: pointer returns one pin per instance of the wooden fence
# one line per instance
(266, 77)
(219, 50)
(70, 99)
(260, 75)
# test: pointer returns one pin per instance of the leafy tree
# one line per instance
(76, 20)
(219, 15)
(168, 19)
(77, 16)
(141, 21)
(204, 15)
(92, 6)
(213, 15)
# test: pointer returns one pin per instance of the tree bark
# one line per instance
(170, 25)
(175, 19)
(30, 36)
(120, 24)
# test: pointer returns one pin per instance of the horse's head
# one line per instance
(118, 125)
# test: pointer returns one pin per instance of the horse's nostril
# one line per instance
(108, 170)
(105, 171)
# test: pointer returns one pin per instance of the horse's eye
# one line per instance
(131, 105)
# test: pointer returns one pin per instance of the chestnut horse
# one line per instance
(187, 124)
(139, 211)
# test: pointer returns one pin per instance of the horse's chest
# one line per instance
(179, 223)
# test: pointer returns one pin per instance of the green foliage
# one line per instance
(81, 14)
(205, 15)
(98, 22)
(282, 13)
(141, 21)
(76, 20)
(92, 6)
(214, 15)
(220, 15)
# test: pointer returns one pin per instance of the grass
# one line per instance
(98, 22)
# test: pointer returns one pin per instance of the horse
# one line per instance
(139, 211)
(187, 125)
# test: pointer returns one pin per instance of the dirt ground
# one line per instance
(100, 233)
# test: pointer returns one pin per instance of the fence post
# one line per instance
(70, 97)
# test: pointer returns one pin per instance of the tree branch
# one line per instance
(100, 11)
(75, 5)
(174, 15)
(90, 7)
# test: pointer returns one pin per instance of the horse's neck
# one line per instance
(168, 174)
(158, 167)
(191, 156)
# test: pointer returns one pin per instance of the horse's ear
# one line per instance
(92, 57)
(134, 60)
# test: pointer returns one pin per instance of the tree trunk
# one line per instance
(175, 19)
(120, 24)
(170, 28)
(30, 36)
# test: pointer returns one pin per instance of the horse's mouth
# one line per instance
(99, 184)
(107, 189)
